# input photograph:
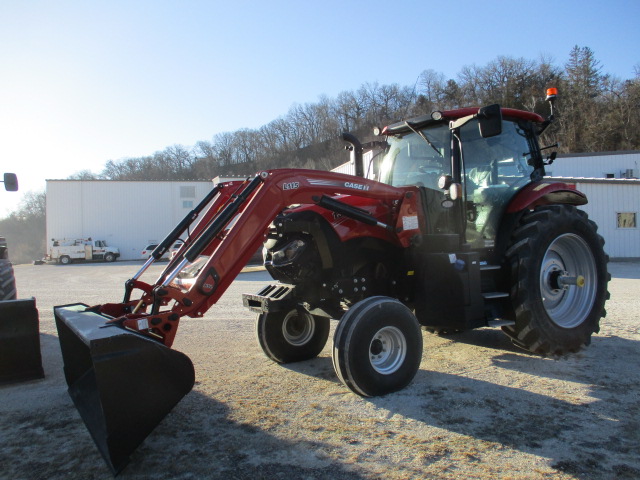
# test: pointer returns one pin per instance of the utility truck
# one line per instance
(460, 230)
(65, 251)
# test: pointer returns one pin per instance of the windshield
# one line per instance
(412, 160)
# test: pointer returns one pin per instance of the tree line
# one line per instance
(24, 229)
(595, 112)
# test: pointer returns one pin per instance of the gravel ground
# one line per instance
(478, 407)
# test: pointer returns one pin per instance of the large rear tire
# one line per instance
(377, 347)
(292, 336)
(558, 280)
(7, 281)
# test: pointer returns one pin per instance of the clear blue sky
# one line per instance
(84, 81)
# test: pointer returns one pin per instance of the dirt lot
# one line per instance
(478, 408)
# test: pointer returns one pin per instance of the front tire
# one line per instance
(292, 336)
(109, 257)
(377, 347)
(558, 280)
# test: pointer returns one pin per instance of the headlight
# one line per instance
(289, 253)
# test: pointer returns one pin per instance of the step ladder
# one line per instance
(493, 297)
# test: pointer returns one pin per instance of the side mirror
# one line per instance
(10, 182)
(490, 121)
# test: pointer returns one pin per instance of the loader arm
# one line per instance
(122, 376)
(233, 228)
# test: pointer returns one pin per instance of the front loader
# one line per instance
(459, 231)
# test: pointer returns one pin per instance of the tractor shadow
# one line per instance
(492, 338)
(320, 367)
(200, 440)
(43, 436)
(532, 404)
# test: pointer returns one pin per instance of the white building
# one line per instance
(624, 164)
(127, 214)
(132, 214)
(614, 205)
(609, 179)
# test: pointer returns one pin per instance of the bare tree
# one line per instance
(595, 112)
(24, 229)
(84, 175)
(350, 111)
(433, 87)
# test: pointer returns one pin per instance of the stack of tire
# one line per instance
(7, 279)
(20, 357)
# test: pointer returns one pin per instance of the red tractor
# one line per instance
(460, 231)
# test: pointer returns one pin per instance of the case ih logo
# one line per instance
(290, 185)
(333, 183)
(209, 284)
(356, 186)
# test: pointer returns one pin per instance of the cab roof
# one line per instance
(425, 120)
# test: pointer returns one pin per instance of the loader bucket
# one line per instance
(20, 357)
(122, 383)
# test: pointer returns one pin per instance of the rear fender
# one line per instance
(546, 193)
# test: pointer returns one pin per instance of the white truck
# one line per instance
(65, 251)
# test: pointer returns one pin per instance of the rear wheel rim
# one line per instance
(568, 255)
(298, 329)
(387, 350)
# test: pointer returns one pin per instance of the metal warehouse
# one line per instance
(622, 164)
(127, 214)
(133, 214)
(610, 181)
(614, 205)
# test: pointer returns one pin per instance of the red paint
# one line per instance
(231, 249)
(545, 193)
(507, 112)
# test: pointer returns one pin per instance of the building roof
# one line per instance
(598, 154)
(611, 181)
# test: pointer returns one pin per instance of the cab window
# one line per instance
(412, 160)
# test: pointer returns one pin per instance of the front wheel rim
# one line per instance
(387, 350)
(298, 329)
(568, 256)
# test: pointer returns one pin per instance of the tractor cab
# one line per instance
(470, 163)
